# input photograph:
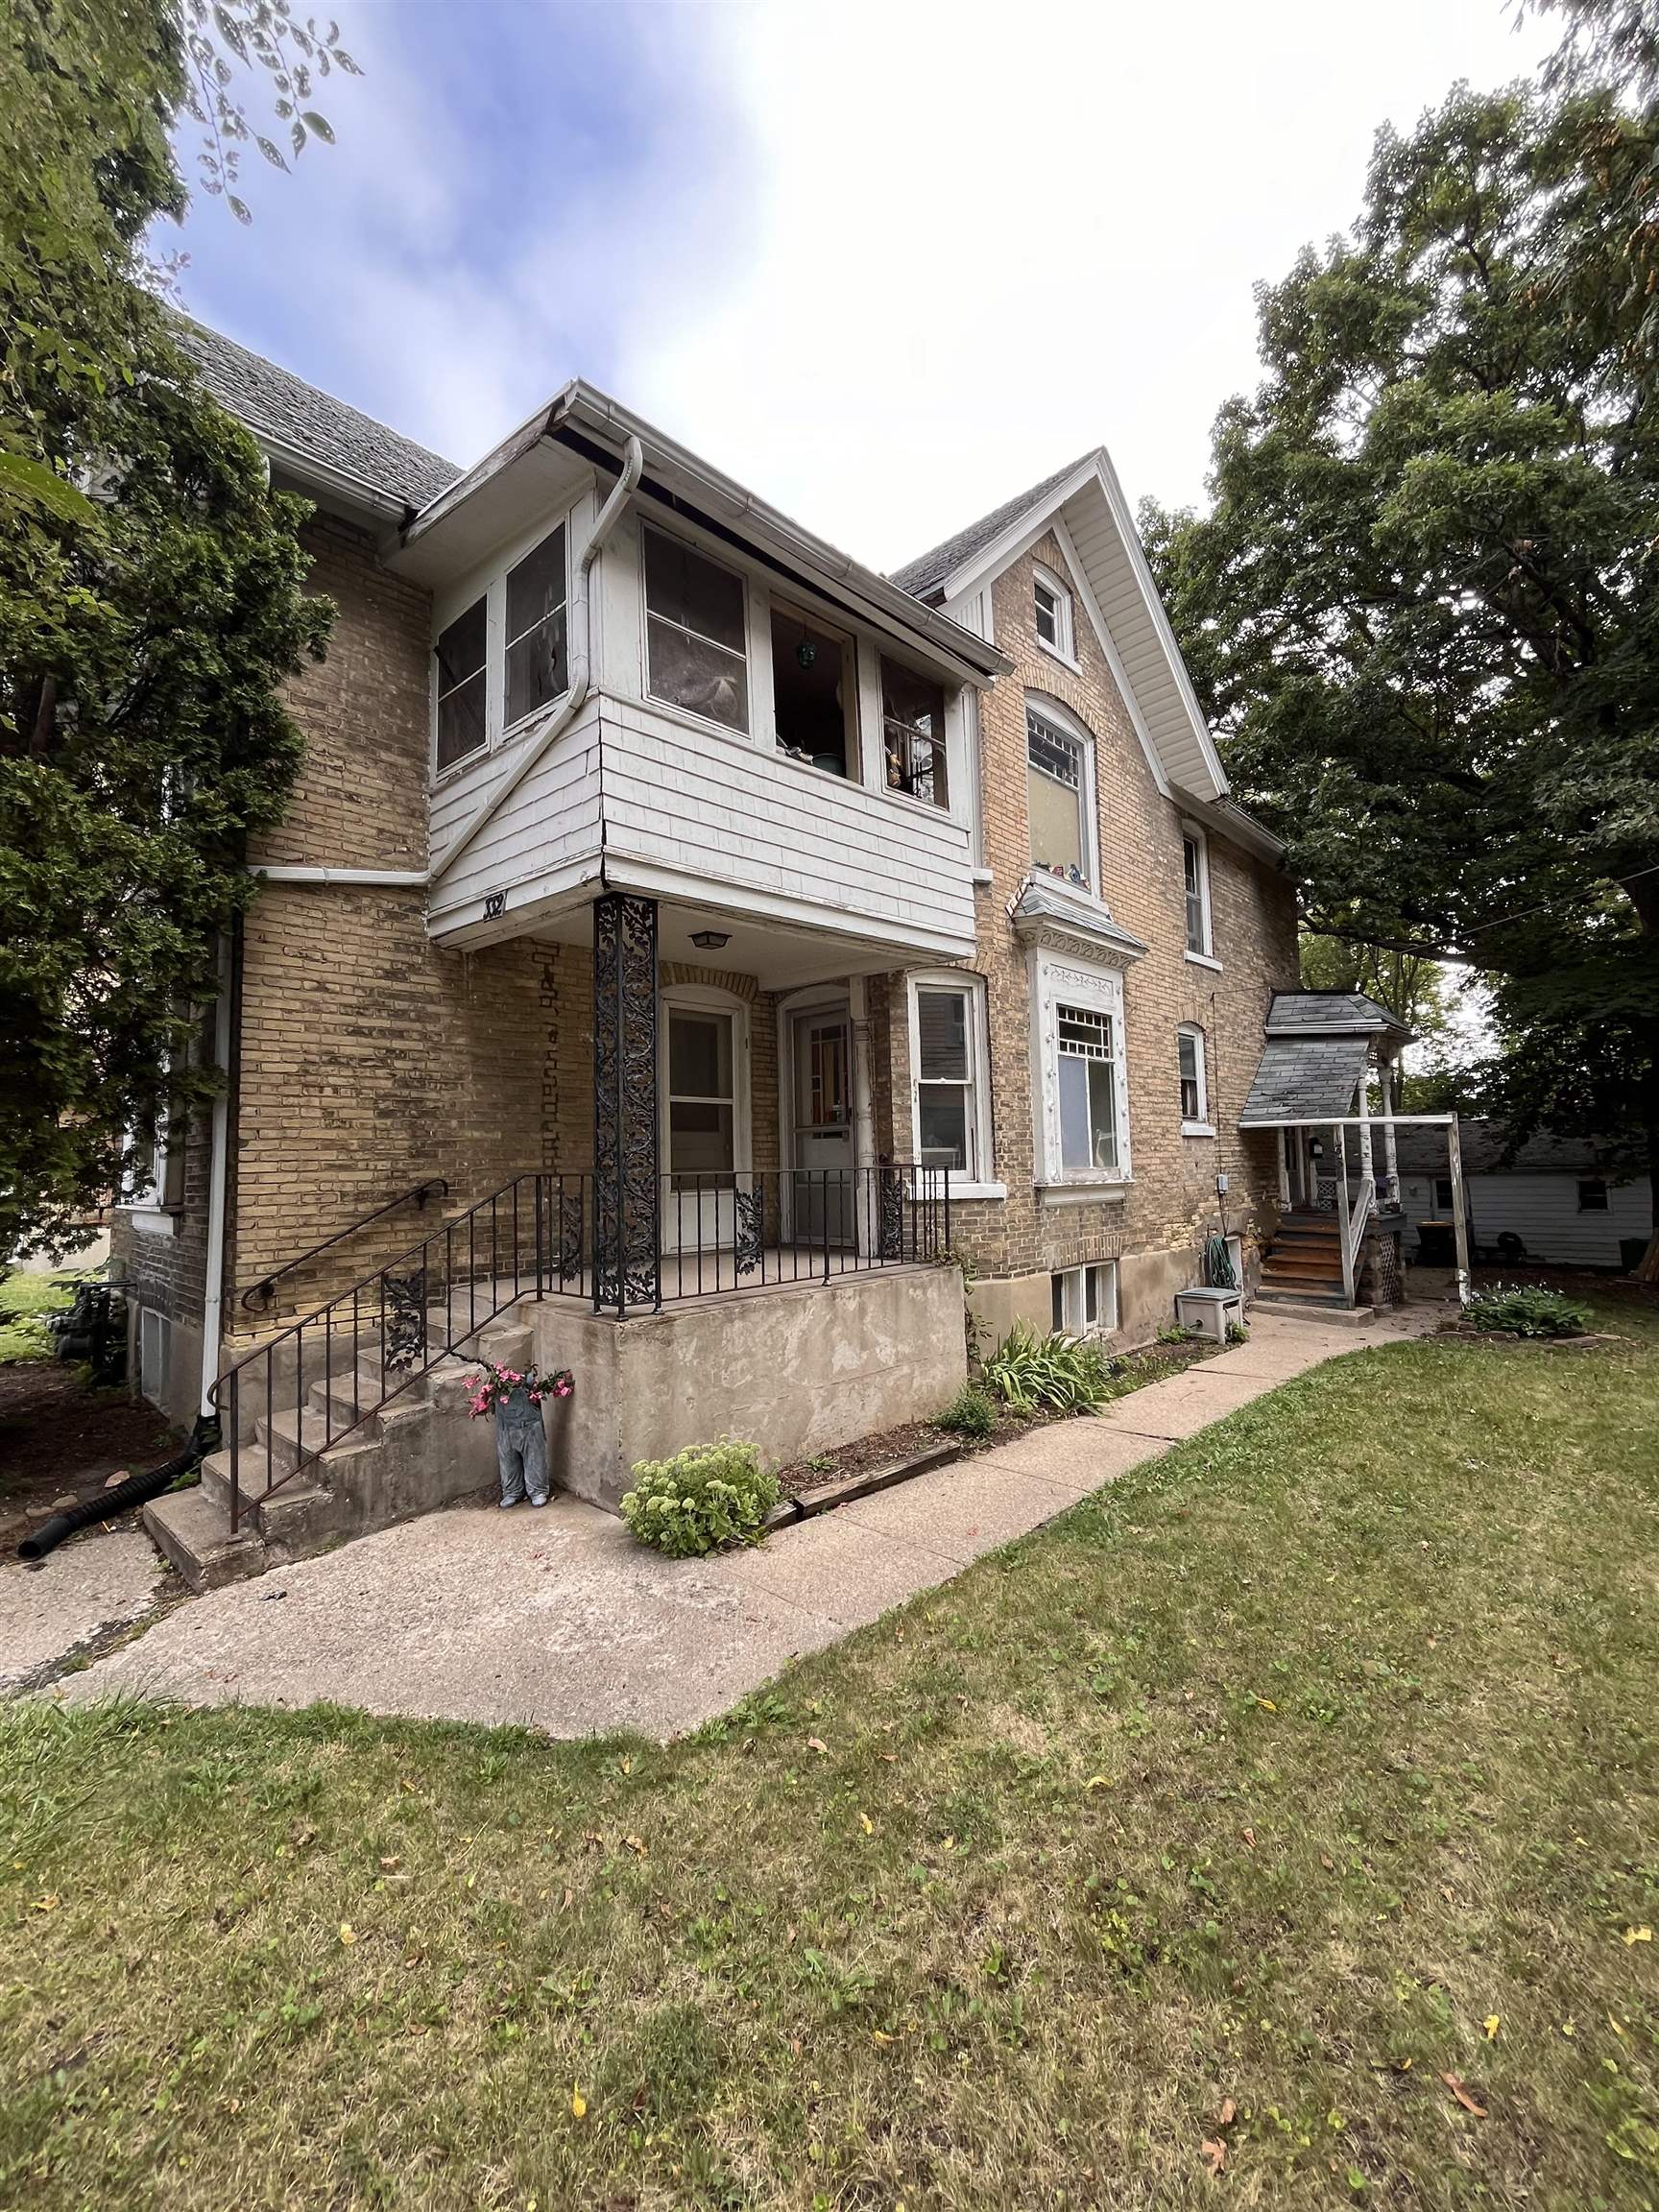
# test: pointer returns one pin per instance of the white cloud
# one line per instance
(990, 239)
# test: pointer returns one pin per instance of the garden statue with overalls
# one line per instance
(515, 1395)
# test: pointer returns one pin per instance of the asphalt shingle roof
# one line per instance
(923, 576)
(1328, 1014)
(268, 398)
(1549, 1153)
(1305, 1079)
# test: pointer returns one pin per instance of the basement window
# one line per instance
(1085, 1299)
(155, 1354)
(459, 653)
(536, 662)
(812, 693)
(696, 639)
(913, 735)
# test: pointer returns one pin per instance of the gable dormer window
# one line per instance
(1058, 795)
(536, 665)
(1052, 608)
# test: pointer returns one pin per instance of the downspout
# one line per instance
(213, 1278)
(581, 664)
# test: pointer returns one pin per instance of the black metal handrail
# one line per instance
(541, 1235)
(258, 1295)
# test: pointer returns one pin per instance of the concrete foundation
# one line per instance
(793, 1371)
(1148, 1283)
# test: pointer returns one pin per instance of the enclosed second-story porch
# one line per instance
(647, 680)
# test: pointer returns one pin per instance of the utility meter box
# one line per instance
(1212, 1313)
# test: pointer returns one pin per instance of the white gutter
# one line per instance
(213, 1281)
(581, 665)
(403, 879)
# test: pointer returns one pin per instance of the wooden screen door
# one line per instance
(820, 1197)
(699, 1113)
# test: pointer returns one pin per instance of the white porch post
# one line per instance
(1459, 1221)
(863, 1115)
(1285, 1141)
(1344, 1230)
(1367, 1166)
(1390, 1146)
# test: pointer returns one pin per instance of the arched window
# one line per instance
(1060, 793)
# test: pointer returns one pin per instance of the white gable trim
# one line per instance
(1023, 533)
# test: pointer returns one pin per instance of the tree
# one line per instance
(151, 604)
(1423, 610)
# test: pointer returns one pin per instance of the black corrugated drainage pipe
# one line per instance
(136, 1490)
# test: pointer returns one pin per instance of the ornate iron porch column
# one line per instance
(627, 1261)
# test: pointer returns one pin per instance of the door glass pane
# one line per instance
(699, 1055)
(942, 1112)
(825, 1084)
(700, 1138)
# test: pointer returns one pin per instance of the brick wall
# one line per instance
(1170, 1202)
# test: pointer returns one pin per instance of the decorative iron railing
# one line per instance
(258, 1295)
(319, 1380)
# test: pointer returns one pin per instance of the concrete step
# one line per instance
(193, 1530)
(338, 1394)
(293, 1441)
(1326, 1312)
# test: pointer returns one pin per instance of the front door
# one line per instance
(821, 1193)
(701, 1129)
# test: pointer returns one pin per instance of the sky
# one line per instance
(885, 265)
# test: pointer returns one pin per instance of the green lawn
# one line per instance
(25, 1299)
(1316, 1764)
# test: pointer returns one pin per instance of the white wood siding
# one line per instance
(545, 837)
(1543, 1212)
(763, 834)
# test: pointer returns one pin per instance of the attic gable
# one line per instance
(1086, 508)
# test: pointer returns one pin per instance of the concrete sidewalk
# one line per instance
(558, 1620)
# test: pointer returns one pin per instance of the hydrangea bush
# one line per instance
(705, 1496)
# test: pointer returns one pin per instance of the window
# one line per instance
(536, 665)
(1057, 789)
(155, 1354)
(696, 650)
(1088, 1091)
(702, 1099)
(1085, 1299)
(812, 694)
(1592, 1195)
(1052, 610)
(1194, 1091)
(913, 735)
(460, 652)
(1443, 1194)
(947, 1105)
(1195, 883)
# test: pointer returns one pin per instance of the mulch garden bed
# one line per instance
(847, 1462)
(62, 1440)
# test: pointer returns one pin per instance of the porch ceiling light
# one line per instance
(710, 940)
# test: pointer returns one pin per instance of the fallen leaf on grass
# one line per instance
(635, 1844)
(866, 1823)
(1462, 2093)
(1214, 2154)
(1249, 1837)
(1637, 1934)
(817, 1744)
(347, 1933)
(1099, 1782)
(46, 1904)
(1228, 2113)
(578, 2103)
(1492, 2026)
(389, 1864)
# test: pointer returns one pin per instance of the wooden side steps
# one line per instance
(1302, 1270)
(400, 1461)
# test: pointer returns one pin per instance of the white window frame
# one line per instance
(512, 729)
(710, 999)
(489, 583)
(1203, 954)
(1063, 647)
(1199, 1125)
(1073, 1285)
(1065, 725)
(154, 1330)
(1056, 981)
(981, 1181)
(144, 1202)
(755, 715)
